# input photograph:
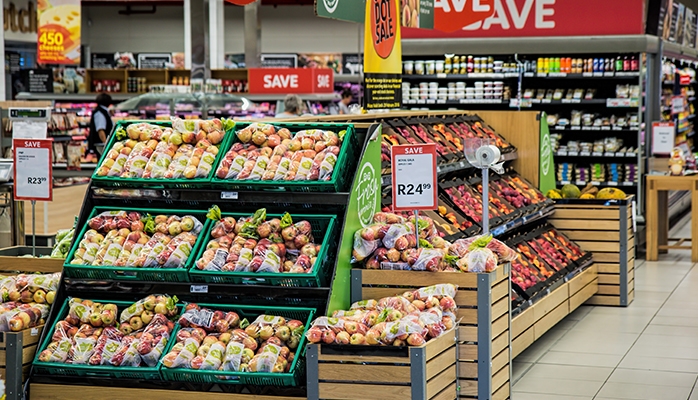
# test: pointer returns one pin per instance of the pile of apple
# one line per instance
(131, 239)
(564, 245)
(88, 335)
(17, 316)
(409, 319)
(391, 243)
(219, 341)
(480, 253)
(254, 244)
(30, 288)
(186, 150)
(524, 188)
(267, 153)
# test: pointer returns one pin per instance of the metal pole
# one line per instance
(485, 201)
(253, 36)
(34, 228)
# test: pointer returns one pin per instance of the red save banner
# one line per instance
(241, 2)
(512, 18)
(291, 80)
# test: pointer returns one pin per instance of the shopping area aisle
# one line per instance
(648, 350)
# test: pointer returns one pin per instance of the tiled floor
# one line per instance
(648, 350)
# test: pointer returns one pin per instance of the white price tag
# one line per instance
(414, 177)
(33, 179)
(229, 195)
(677, 105)
(198, 289)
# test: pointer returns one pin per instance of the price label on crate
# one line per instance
(33, 176)
(414, 177)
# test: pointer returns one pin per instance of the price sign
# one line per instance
(414, 177)
(677, 105)
(33, 176)
(663, 137)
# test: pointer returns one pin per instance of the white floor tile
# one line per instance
(540, 396)
(569, 372)
(661, 378)
(660, 364)
(554, 385)
(583, 359)
(649, 392)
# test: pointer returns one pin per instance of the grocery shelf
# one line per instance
(474, 75)
(623, 155)
(584, 75)
(348, 78)
(614, 128)
(523, 220)
(580, 183)
(455, 102)
(72, 96)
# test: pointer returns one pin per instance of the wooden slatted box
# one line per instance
(604, 228)
(17, 350)
(427, 372)
(484, 305)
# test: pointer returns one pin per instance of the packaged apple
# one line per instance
(148, 307)
(127, 354)
(138, 159)
(179, 162)
(107, 345)
(22, 316)
(84, 344)
(152, 341)
(61, 343)
(160, 160)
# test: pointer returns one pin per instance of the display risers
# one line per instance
(483, 310)
(562, 299)
(10, 260)
(391, 373)
(604, 228)
(17, 350)
(44, 391)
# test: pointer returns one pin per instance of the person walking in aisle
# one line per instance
(347, 97)
(293, 107)
(101, 125)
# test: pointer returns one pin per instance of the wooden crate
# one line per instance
(484, 307)
(605, 230)
(391, 373)
(563, 298)
(10, 260)
(17, 350)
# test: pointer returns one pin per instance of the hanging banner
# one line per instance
(290, 80)
(343, 10)
(516, 18)
(59, 33)
(546, 167)
(417, 13)
(382, 56)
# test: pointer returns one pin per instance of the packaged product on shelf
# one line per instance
(219, 340)
(30, 288)
(119, 238)
(64, 238)
(255, 244)
(90, 334)
(268, 153)
(410, 319)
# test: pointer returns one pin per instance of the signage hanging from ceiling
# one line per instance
(58, 40)
(382, 55)
(517, 18)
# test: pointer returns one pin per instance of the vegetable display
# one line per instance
(255, 244)
(187, 150)
(90, 334)
(132, 239)
(409, 319)
(265, 152)
(220, 341)
(63, 239)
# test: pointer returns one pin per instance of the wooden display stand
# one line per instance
(17, 350)
(11, 261)
(604, 228)
(365, 372)
(484, 310)
(529, 325)
(43, 391)
(657, 214)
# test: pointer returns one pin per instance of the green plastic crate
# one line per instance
(78, 271)
(181, 183)
(101, 371)
(341, 175)
(291, 378)
(324, 226)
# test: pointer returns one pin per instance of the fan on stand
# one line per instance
(483, 154)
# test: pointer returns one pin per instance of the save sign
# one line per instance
(33, 178)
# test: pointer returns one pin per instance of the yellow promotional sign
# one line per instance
(382, 55)
(59, 32)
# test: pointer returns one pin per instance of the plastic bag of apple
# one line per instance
(392, 242)
(132, 239)
(268, 153)
(186, 150)
(16, 316)
(255, 244)
(30, 288)
(219, 341)
(91, 335)
(409, 319)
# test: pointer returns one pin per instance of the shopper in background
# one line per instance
(347, 97)
(293, 107)
(100, 125)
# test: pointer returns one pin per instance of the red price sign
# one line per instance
(33, 172)
(414, 177)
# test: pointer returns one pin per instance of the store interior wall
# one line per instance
(285, 29)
